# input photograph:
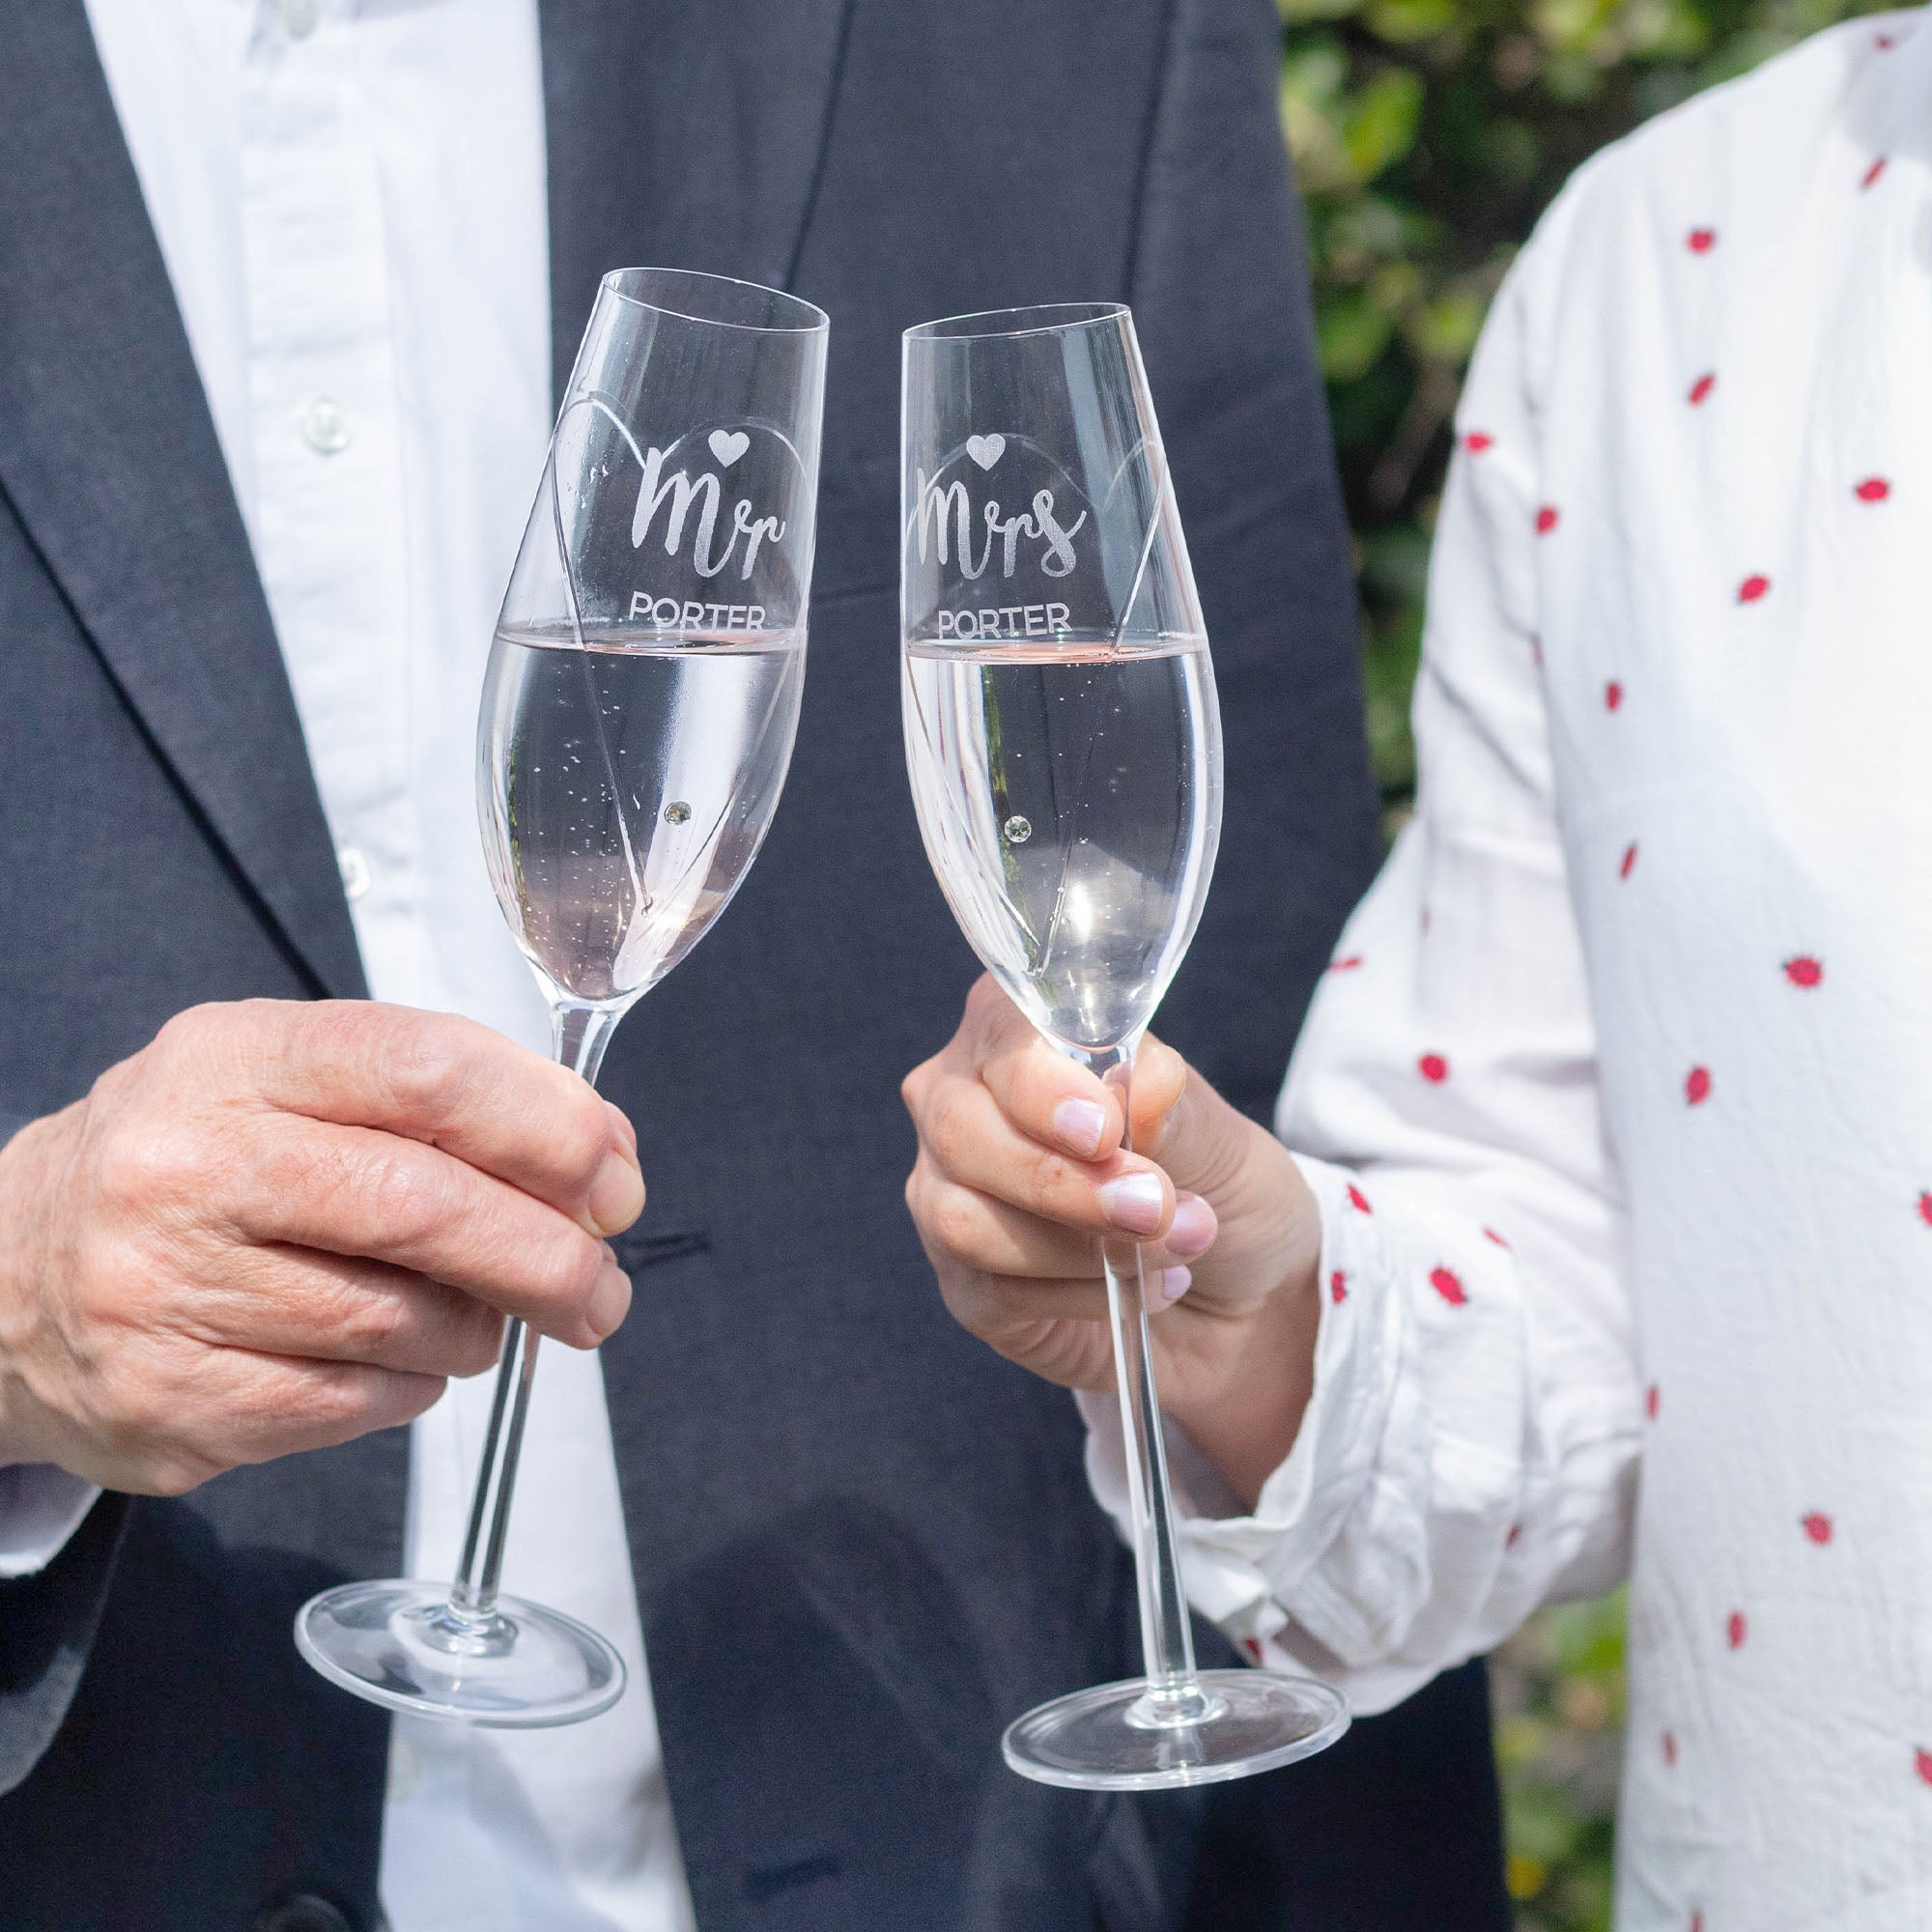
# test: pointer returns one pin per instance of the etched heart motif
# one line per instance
(985, 450)
(727, 445)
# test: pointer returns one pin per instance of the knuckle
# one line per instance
(478, 1342)
(948, 1131)
(411, 1197)
(194, 1028)
(152, 1162)
(339, 1399)
(368, 1324)
(416, 1396)
(570, 1271)
(912, 1087)
(968, 1299)
(585, 1137)
(424, 1060)
(953, 1219)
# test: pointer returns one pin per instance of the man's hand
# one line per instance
(280, 1225)
(1020, 1176)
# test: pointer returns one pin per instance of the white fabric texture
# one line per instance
(351, 202)
(40, 1507)
(1615, 1096)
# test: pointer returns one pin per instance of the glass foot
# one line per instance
(1135, 1737)
(402, 1645)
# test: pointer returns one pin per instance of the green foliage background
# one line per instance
(1427, 135)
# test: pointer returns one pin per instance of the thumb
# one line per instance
(1181, 1122)
(1160, 1078)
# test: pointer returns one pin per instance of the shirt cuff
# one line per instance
(40, 1507)
(1255, 1575)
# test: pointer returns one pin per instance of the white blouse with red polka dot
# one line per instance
(1618, 1101)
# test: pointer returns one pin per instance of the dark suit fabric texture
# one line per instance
(862, 1543)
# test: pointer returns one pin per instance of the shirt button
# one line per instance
(324, 425)
(297, 18)
(356, 874)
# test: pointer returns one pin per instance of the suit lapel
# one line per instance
(109, 458)
(681, 136)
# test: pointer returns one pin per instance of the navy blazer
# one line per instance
(862, 1543)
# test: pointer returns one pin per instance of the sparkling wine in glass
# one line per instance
(638, 718)
(1064, 749)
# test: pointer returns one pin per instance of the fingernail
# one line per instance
(625, 1134)
(1175, 1282)
(1134, 1202)
(617, 1194)
(1193, 1229)
(609, 1300)
(1080, 1123)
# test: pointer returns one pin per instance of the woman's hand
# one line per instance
(1019, 1178)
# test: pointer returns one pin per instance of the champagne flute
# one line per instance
(1064, 749)
(638, 718)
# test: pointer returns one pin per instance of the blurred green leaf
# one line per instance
(1382, 120)
(1352, 334)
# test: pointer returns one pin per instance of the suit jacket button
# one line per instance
(302, 1912)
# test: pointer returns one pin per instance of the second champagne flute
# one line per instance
(1065, 748)
(637, 719)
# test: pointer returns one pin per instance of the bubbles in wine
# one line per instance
(627, 784)
(1069, 800)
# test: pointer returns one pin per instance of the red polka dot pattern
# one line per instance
(1819, 1528)
(1434, 1069)
(1752, 588)
(1697, 1085)
(1546, 519)
(1700, 390)
(1701, 241)
(1804, 971)
(1448, 1284)
(1735, 1630)
(1873, 490)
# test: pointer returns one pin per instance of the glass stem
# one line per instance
(579, 1034)
(1174, 1695)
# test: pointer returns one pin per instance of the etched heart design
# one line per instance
(727, 445)
(985, 450)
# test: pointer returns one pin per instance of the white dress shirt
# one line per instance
(351, 202)
(1618, 1095)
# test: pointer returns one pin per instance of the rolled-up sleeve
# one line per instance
(1470, 1448)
